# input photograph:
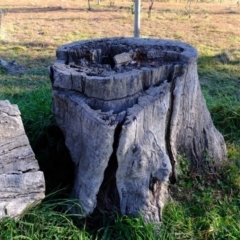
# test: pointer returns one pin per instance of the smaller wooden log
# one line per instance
(21, 182)
(11, 67)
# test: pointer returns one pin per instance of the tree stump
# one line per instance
(128, 107)
(21, 182)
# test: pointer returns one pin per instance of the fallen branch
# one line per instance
(11, 67)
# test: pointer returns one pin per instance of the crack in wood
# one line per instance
(129, 128)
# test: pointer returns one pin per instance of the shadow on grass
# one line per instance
(37, 9)
(54, 160)
(108, 8)
(226, 57)
(28, 44)
(14, 9)
(220, 83)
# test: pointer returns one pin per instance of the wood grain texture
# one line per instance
(21, 182)
(139, 120)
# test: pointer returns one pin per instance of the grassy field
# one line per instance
(207, 207)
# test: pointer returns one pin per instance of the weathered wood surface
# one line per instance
(11, 67)
(21, 182)
(125, 130)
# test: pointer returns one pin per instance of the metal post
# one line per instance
(137, 18)
(1, 14)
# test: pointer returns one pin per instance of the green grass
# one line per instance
(48, 220)
(220, 81)
(33, 96)
(204, 207)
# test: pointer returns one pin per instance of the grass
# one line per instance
(44, 221)
(203, 207)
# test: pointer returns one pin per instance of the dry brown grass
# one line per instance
(44, 25)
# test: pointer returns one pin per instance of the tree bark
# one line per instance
(21, 182)
(126, 126)
(89, 5)
(150, 7)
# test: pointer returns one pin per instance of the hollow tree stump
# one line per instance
(128, 107)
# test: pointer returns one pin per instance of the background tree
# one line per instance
(89, 5)
(150, 8)
(1, 17)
